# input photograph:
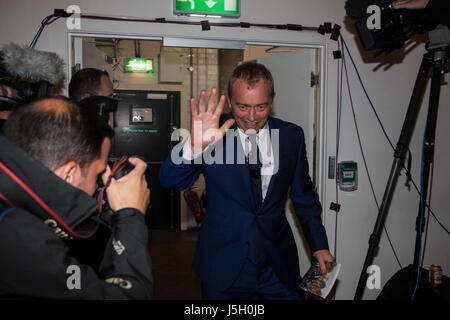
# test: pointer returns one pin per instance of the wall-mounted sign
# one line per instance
(139, 115)
(138, 64)
(211, 8)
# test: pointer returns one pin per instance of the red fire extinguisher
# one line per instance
(194, 204)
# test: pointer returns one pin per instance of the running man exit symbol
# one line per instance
(210, 3)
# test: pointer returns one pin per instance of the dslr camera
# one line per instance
(119, 168)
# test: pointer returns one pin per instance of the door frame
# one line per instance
(321, 112)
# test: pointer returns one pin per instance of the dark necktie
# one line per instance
(254, 165)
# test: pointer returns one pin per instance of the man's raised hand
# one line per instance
(205, 122)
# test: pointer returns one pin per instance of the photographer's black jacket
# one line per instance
(39, 214)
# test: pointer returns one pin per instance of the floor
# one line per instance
(172, 252)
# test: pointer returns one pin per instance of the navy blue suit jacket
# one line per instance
(231, 216)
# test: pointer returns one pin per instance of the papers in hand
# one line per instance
(317, 283)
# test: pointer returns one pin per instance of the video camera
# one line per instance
(396, 26)
(26, 73)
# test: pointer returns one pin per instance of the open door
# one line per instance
(295, 101)
(295, 98)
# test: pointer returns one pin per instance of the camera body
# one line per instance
(22, 90)
(389, 35)
(120, 167)
(396, 26)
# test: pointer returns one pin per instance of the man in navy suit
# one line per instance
(246, 245)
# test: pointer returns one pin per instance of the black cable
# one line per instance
(364, 159)
(44, 23)
(384, 130)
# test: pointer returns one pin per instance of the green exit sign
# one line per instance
(138, 64)
(222, 8)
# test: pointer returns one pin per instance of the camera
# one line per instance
(22, 90)
(397, 26)
(27, 74)
(100, 104)
(119, 167)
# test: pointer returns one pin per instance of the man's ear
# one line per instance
(70, 172)
(229, 102)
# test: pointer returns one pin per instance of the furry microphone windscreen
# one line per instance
(25, 62)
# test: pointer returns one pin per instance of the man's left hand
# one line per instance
(324, 257)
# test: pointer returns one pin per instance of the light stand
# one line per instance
(436, 57)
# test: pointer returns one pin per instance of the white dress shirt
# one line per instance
(266, 153)
(265, 148)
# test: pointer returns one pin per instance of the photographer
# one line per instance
(51, 155)
(90, 82)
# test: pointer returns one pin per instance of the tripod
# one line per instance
(435, 59)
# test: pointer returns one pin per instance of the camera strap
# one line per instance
(5, 206)
(116, 168)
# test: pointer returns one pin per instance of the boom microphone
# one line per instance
(357, 9)
(28, 63)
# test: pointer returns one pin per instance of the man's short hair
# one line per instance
(251, 72)
(85, 81)
(55, 130)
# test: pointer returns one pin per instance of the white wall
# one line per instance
(390, 91)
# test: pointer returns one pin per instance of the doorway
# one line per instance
(185, 71)
(190, 69)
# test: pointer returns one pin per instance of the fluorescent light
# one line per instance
(203, 43)
(196, 15)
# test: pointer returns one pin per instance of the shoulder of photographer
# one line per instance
(130, 191)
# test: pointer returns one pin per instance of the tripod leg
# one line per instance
(430, 133)
(399, 157)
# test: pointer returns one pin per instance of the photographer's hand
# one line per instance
(410, 4)
(131, 190)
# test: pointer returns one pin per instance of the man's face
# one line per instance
(106, 87)
(251, 106)
(88, 181)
